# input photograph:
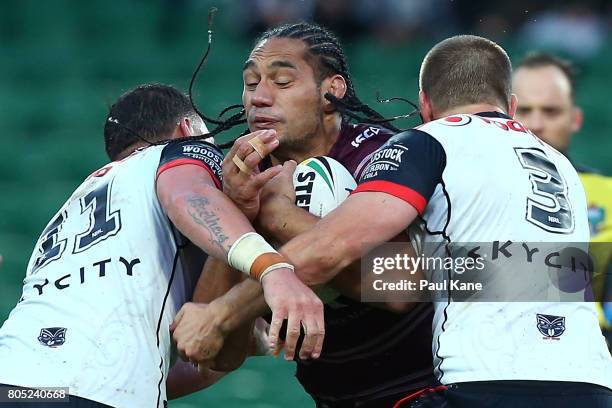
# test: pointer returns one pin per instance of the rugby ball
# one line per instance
(321, 184)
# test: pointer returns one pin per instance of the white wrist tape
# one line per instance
(275, 267)
(251, 254)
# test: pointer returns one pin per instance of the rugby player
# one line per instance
(297, 82)
(123, 254)
(545, 87)
(470, 172)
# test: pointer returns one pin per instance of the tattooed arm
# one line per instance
(211, 221)
(201, 211)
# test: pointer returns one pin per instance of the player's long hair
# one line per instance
(329, 58)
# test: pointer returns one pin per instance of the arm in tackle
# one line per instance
(210, 220)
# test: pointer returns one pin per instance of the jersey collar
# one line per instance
(493, 114)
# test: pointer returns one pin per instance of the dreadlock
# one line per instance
(328, 58)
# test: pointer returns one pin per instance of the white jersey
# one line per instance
(486, 178)
(104, 284)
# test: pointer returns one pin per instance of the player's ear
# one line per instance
(577, 119)
(513, 105)
(184, 128)
(425, 107)
(335, 85)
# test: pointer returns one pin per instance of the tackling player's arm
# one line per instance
(224, 328)
(188, 190)
(281, 219)
(336, 241)
(397, 192)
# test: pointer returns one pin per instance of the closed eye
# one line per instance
(282, 83)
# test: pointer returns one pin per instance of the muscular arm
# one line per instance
(282, 220)
(211, 221)
(245, 298)
(337, 240)
(199, 210)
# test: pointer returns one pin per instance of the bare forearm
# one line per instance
(340, 239)
(216, 279)
(235, 349)
(285, 221)
(317, 258)
(241, 305)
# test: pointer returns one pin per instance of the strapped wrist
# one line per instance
(251, 254)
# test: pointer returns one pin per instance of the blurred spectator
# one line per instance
(258, 15)
(340, 16)
(575, 29)
(400, 21)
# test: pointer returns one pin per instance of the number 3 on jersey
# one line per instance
(549, 208)
(103, 223)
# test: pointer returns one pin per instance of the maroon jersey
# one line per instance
(370, 357)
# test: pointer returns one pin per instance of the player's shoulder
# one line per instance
(411, 138)
(192, 151)
(356, 144)
(357, 135)
(192, 148)
(485, 120)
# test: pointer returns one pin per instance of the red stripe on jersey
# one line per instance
(412, 397)
(180, 162)
(407, 194)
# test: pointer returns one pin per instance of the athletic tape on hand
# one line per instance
(241, 165)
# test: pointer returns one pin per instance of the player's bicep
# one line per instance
(188, 188)
(177, 182)
(387, 216)
(408, 167)
(340, 238)
(185, 166)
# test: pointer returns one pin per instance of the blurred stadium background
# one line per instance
(64, 62)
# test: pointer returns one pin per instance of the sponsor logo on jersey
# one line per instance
(388, 159)
(85, 273)
(552, 327)
(52, 336)
(393, 153)
(365, 135)
(456, 120)
(202, 153)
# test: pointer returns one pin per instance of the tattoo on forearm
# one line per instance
(200, 211)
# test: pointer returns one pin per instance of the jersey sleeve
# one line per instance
(199, 153)
(409, 166)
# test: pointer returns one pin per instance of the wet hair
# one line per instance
(149, 113)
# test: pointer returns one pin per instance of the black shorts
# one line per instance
(73, 401)
(375, 401)
(512, 394)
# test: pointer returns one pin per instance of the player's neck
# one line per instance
(470, 110)
(319, 145)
